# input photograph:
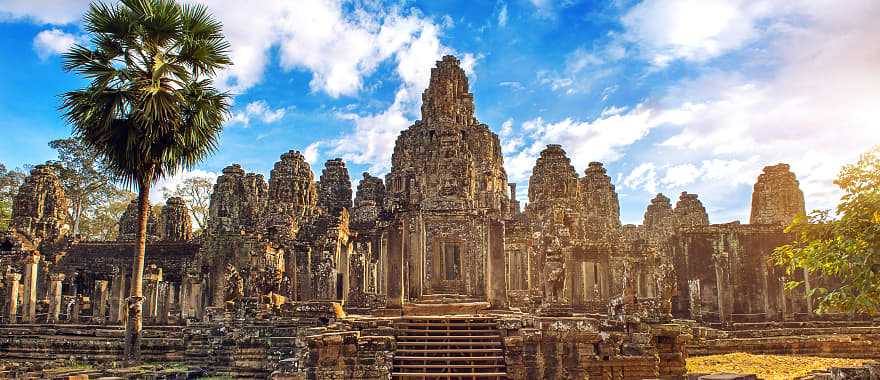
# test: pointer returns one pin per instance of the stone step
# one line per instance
(487, 332)
(455, 366)
(433, 375)
(447, 324)
(451, 351)
(447, 337)
(461, 344)
(448, 358)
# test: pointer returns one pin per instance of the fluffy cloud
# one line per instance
(602, 139)
(43, 11)
(259, 110)
(694, 30)
(53, 41)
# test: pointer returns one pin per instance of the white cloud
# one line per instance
(816, 112)
(257, 110)
(53, 41)
(695, 30)
(642, 177)
(57, 12)
(502, 15)
(680, 175)
(602, 139)
(311, 153)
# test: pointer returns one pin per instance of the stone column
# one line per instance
(722, 285)
(77, 309)
(55, 287)
(117, 298)
(31, 267)
(195, 303)
(152, 279)
(808, 288)
(99, 302)
(12, 280)
(182, 299)
(395, 268)
(496, 278)
(166, 302)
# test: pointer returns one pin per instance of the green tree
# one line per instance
(196, 192)
(10, 181)
(101, 222)
(84, 179)
(150, 107)
(845, 247)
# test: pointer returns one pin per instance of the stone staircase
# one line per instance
(449, 347)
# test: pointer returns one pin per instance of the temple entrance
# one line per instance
(450, 265)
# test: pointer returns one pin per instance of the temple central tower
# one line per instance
(446, 187)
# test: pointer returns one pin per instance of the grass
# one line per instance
(769, 367)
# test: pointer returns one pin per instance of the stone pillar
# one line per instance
(395, 268)
(12, 280)
(152, 280)
(722, 285)
(182, 299)
(496, 278)
(55, 287)
(29, 303)
(100, 298)
(166, 302)
(117, 298)
(195, 303)
(77, 309)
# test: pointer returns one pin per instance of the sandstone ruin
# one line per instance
(434, 272)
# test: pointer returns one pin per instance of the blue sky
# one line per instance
(672, 96)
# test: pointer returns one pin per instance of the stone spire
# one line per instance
(175, 223)
(777, 197)
(553, 177)
(448, 96)
(659, 213)
(39, 209)
(293, 195)
(368, 201)
(128, 223)
(659, 220)
(689, 211)
(334, 188)
(598, 204)
(238, 202)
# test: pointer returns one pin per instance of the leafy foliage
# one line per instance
(83, 177)
(196, 192)
(846, 247)
(101, 223)
(10, 181)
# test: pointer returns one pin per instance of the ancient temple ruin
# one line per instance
(437, 270)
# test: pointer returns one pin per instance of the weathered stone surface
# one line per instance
(689, 211)
(599, 208)
(175, 223)
(40, 209)
(238, 202)
(128, 224)
(293, 196)
(334, 187)
(777, 197)
(369, 201)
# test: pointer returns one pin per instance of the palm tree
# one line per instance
(150, 107)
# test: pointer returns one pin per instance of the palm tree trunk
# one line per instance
(136, 300)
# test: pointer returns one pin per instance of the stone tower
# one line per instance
(237, 202)
(689, 211)
(447, 160)
(293, 195)
(598, 205)
(40, 209)
(128, 224)
(659, 220)
(553, 178)
(369, 200)
(777, 197)
(334, 188)
(175, 223)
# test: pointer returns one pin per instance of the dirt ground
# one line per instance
(770, 367)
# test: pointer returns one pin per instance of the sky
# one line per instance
(672, 96)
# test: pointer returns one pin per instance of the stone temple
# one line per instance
(434, 272)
